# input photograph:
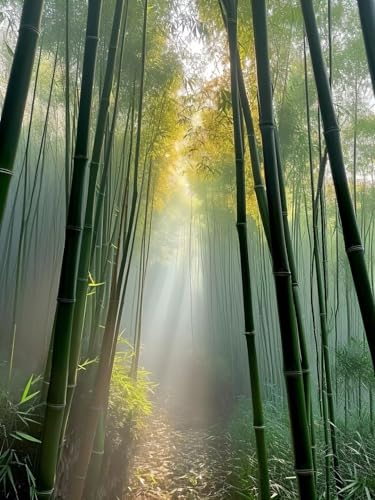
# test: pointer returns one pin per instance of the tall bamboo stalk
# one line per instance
(103, 375)
(16, 94)
(288, 326)
(61, 336)
(263, 209)
(68, 132)
(326, 387)
(259, 187)
(84, 261)
(352, 238)
(229, 8)
(367, 15)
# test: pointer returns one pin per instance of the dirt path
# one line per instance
(177, 462)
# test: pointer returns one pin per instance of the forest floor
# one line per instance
(179, 459)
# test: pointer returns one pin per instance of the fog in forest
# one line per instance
(187, 262)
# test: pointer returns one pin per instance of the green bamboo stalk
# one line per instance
(56, 398)
(330, 420)
(263, 209)
(105, 275)
(367, 15)
(97, 455)
(20, 261)
(288, 326)
(16, 94)
(68, 132)
(229, 9)
(259, 187)
(102, 381)
(296, 296)
(145, 248)
(103, 374)
(352, 238)
(84, 261)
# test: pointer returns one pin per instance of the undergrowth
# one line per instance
(18, 428)
(356, 456)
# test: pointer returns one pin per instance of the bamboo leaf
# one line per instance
(23, 436)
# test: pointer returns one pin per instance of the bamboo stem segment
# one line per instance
(16, 94)
(352, 238)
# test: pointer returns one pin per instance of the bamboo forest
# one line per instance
(187, 249)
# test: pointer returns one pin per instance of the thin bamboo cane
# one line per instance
(68, 131)
(16, 94)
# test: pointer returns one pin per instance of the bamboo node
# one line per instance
(65, 301)
(331, 130)
(281, 273)
(263, 125)
(6, 171)
(239, 224)
(259, 427)
(305, 370)
(252, 333)
(355, 248)
(98, 452)
(45, 492)
(292, 373)
(304, 472)
(56, 406)
(30, 27)
(92, 37)
(74, 228)
(259, 186)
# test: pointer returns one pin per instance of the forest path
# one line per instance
(176, 461)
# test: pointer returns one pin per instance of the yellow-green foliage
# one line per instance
(129, 399)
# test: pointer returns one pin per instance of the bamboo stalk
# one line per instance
(56, 399)
(352, 238)
(85, 253)
(103, 375)
(229, 8)
(288, 326)
(16, 94)
(367, 15)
